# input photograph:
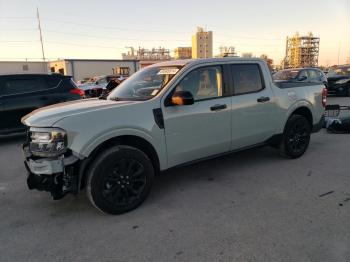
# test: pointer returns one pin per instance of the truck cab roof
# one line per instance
(193, 62)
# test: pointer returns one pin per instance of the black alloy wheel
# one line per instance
(125, 182)
(119, 179)
(296, 136)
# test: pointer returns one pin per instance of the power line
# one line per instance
(114, 38)
(17, 29)
(18, 41)
(17, 17)
(112, 27)
(146, 30)
(248, 37)
(156, 31)
(82, 45)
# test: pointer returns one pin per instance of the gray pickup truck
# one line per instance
(166, 115)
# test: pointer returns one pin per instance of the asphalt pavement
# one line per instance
(248, 206)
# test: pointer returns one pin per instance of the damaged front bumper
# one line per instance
(58, 175)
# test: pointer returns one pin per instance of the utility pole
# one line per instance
(338, 52)
(205, 42)
(41, 36)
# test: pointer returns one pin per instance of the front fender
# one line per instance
(156, 139)
(98, 139)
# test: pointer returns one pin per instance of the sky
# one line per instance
(103, 29)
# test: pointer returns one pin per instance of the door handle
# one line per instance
(263, 99)
(218, 107)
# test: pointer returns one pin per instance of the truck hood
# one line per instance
(48, 116)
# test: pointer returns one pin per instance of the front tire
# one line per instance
(119, 179)
(296, 137)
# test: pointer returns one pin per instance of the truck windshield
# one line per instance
(144, 84)
(285, 75)
(339, 71)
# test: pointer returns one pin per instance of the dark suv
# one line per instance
(339, 80)
(21, 94)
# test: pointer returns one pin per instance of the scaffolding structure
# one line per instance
(302, 51)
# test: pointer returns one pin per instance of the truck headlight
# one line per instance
(47, 142)
(342, 81)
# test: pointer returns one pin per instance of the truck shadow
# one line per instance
(231, 167)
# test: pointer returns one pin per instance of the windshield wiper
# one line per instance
(113, 98)
(103, 97)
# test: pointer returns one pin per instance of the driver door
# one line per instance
(204, 128)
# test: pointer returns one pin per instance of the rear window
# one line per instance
(23, 85)
(73, 84)
(246, 78)
(286, 74)
(54, 80)
(314, 74)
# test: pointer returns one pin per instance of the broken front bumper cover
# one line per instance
(47, 166)
(55, 175)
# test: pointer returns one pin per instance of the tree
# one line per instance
(268, 60)
(247, 55)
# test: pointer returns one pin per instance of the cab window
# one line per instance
(303, 73)
(203, 83)
(246, 78)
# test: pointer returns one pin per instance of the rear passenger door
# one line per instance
(254, 112)
(21, 95)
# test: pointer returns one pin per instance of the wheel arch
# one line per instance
(130, 140)
(303, 108)
(303, 111)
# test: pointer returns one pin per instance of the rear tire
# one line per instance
(296, 137)
(119, 179)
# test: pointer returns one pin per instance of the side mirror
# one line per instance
(302, 78)
(182, 98)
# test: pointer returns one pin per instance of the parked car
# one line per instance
(96, 86)
(300, 75)
(20, 94)
(166, 115)
(339, 80)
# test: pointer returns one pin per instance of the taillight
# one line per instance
(77, 91)
(324, 97)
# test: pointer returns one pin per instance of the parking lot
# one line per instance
(248, 206)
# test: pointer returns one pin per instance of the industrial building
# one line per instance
(85, 68)
(227, 51)
(202, 44)
(183, 52)
(23, 67)
(147, 57)
(302, 51)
